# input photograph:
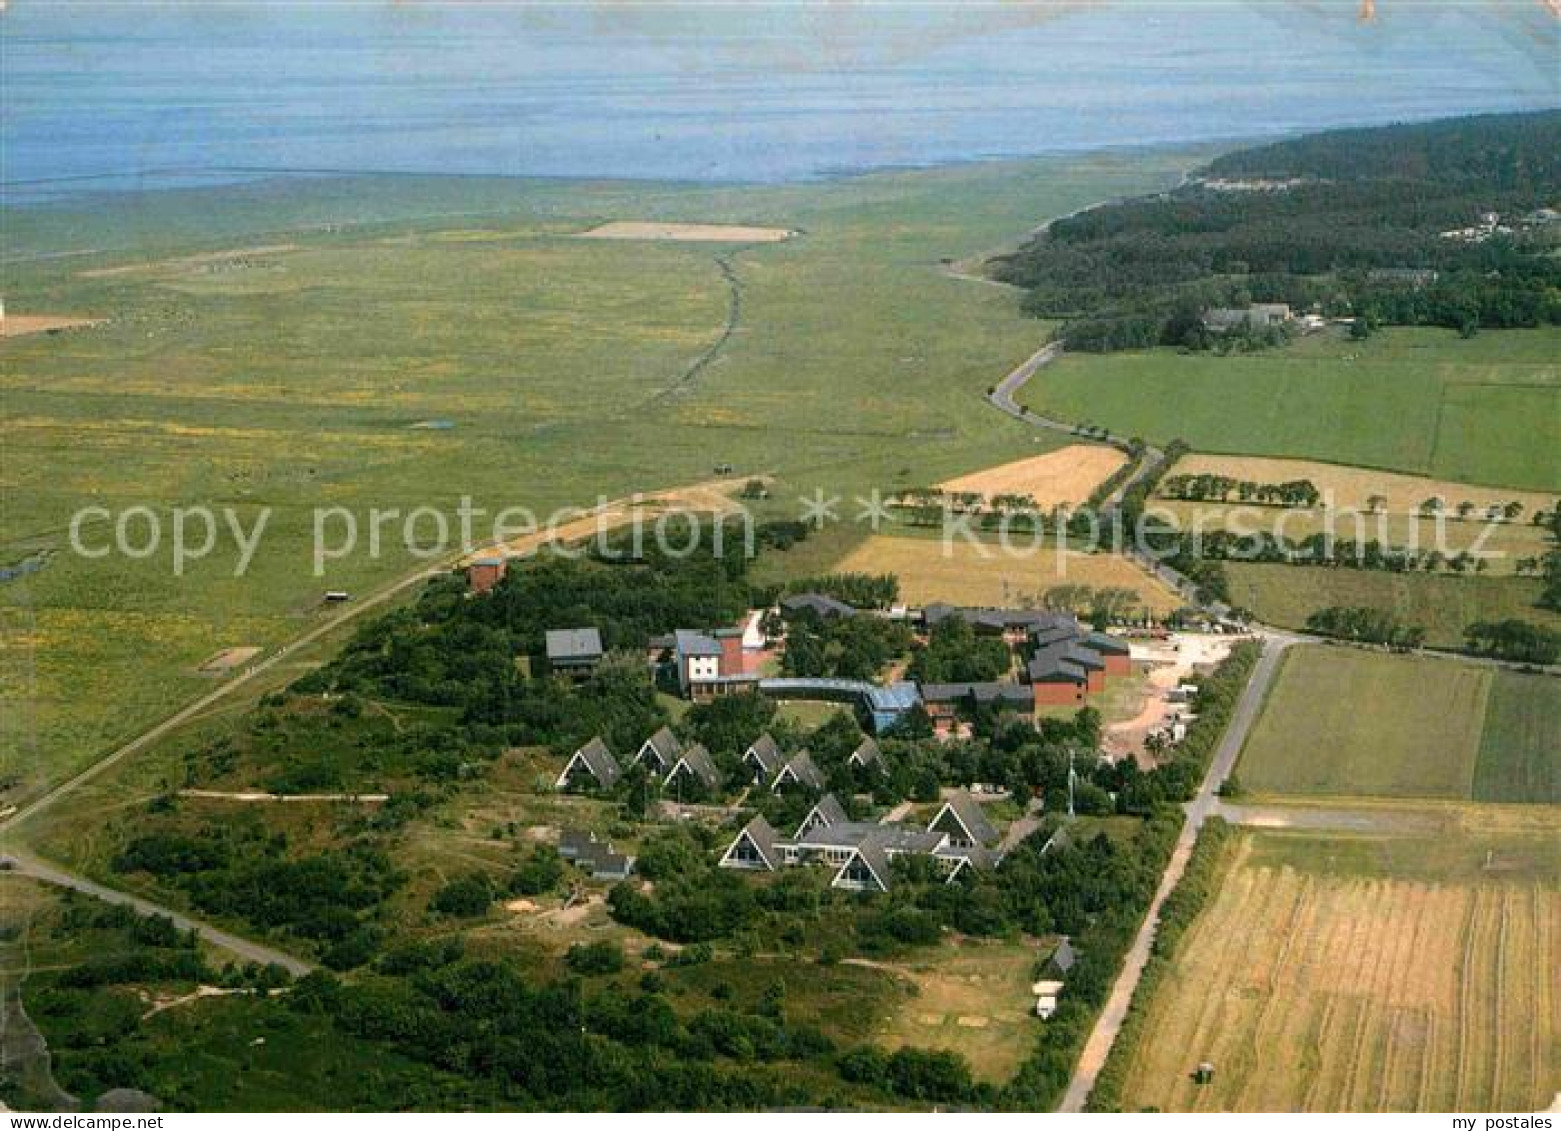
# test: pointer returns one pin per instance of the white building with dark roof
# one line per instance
(861, 852)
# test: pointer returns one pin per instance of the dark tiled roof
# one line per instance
(802, 770)
(819, 603)
(1066, 662)
(759, 832)
(1064, 956)
(691, 643)
(967, 811)
(826, 814)
(987, 692)
(696, 759)
(572, 842)
(867, 754)
(766, 753)
(573, 644)
(665, 745)
(599, 859)
(599, 760)
(1104, 642)
(874, 855)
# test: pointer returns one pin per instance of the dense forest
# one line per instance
(1443, 223)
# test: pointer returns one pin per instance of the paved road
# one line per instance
(1002, 398)
(27, 865)
(1200, 808)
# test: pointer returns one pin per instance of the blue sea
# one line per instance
(134, 96)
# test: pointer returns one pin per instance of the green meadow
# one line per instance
(398, 342)
(1520, 749)
(1485, 410)
(1443, 604)
(1342, 722)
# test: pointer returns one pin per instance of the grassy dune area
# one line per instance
(1343, 722)
(1422, 401)
(399, 342)
(1363, 974)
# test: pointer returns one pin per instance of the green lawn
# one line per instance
(1485, 410)
(1345, 722)
(1340, 721)
(555, 371)
(1520, 751)
(1444, 605)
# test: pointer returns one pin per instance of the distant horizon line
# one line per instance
(60, 188)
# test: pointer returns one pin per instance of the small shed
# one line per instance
(1046, 993)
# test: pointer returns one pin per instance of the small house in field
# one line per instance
(659, 753)
(694, 771)
(603, 863)
(484, 573)
(591, 766)
(962, 820)
(573, 651)
(573, 842)
(593, 856)
(800, 771)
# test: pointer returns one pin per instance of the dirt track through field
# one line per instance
(691, 233)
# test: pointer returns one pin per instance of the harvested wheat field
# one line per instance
(19, 325)
(1354, 486)
(693, 233)
(1067, 475)
(1330, 975)
(962, 573)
